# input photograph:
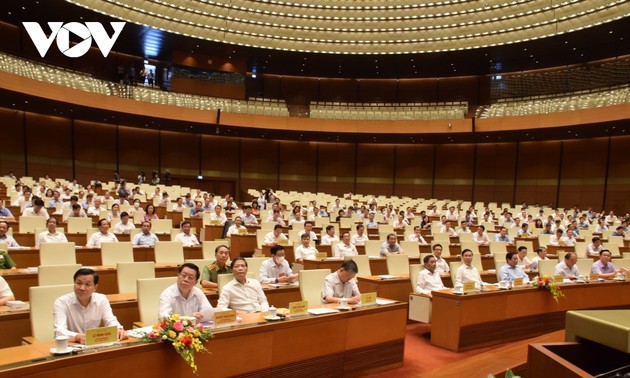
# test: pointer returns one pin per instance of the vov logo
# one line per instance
(61, 32)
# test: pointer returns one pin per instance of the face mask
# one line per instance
(279, 259)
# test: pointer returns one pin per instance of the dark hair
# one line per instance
(86, 272)
(521, 248)
(509, 255)
(605, 250)
(436, 245)
(38, 202)
(483, 228)
(568, 255)
(595, 238)
(238, 259)
(308, 222)
(219, 247)
(350, 266)
(189, 266)
(277, 226)
(150, 224)
(540, 249)
(359, 226)
(330, 227)
(74, 198)
(305, 235)
(100, 221)
(276, 248)
(426, 258)
(76, 206)
(184, 223)
(124, 214)
(467, 250)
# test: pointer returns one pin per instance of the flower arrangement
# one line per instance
(185, 337)
(546, 282)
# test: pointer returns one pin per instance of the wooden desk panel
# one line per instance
(242, 245)
(331, 345)
(213, 233)
(463, 322)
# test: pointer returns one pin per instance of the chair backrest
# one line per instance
(114, 253)
(42, 300)
(169, 252)
(543, 240)
(29, 224)
(311, 284)
(499, 261)
(465, 237)
(373, 247)
(411, 248)
(48, 275)
(57, 254)
(546, 267)
(414, 269)
(260, 237)
(223, 279)
(453, 266)
(441, 238)
(527, 243)
(149, 290)
(253, 265)
(622, 263)
(498, 246)
(161, 226)
(363, 263)
(580, 248)
(584, 266)
(200, 264)
(79, 225)
(208, 247)
(613, 248)
(397, 264)
(473, 246)
(127, 273)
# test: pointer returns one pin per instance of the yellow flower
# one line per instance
(175, 317)
(171, 334)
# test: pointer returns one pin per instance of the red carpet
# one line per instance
(424, 360)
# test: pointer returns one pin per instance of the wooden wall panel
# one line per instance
(583, 172)
(374, 90)
(414, 170)
(538, 168)
(219, 157)
(494, 172)
(298, 166)
(179, 153)
(137, 151)
(12, 153)
(344, 90)
(418, 90)
(49, 146)
(618, 189)
(259, 164)
(95, 151)
(375, 169)
(270, 85)
(336, 168)
(299, 90)
(458, 89)
(454, 171)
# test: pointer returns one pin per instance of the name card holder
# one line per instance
(469, 286)
(593, 277)
(322, 256)
(297, 309)
(224, 318)
(368, 299)
(558, 278)
(518, 281)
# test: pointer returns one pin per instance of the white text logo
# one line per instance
(61, 32)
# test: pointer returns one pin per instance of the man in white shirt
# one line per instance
(248, 218)
(417, 236)
(124, 226)
(480, 237)
(523, 261)
(95, 209)
(242, 293)
(341, 284)
(276, 269)
(330, 236)
(400, 223)
(145, 238)
(594, 247)
(276, 236)
(370, 222)
(83, 309)
(37, 210)
(184, 297)
(569, 239)
(275, 217)
(345, 248)
(440, 264)
(360, 237)
(503, 236)
(5, 292)
(297, 218)
(50, 235)
(186, 237)
(429, 279)
(568, 267)
(308, 229)
(463, 228)
(218, 216)
(452, 214)
(447, 229)
(102, 235)
(467, 272)
(5, 214)
(236, 228)
(305, 251)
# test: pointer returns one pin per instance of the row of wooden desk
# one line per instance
(322, 346)
(16, 323)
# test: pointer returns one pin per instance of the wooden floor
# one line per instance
(423, 360)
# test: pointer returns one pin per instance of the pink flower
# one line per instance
(178, 326)
(152, 336)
